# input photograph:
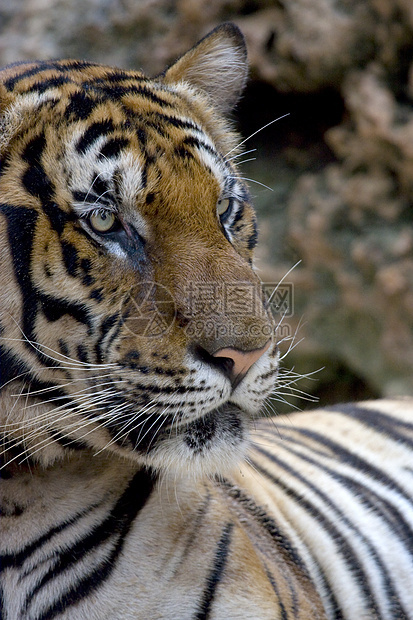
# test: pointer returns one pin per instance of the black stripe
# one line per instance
(12, 450)
(74, 65)
(38, 184)
(52, 82)
(182, 124)
(388, 512)
(144, 437)
(66, 442)
(114, 76)
(80, 196)
(332, 601)
(280, 604)
(183, 153)
(11, 366)
(109, 322)
(113, 147)
(82, 353)
(21, 223)
(198, 144)
(35, 179)
(54, 308)
(393, 517)
(53, 392)
(156, 125)
(342, 545)
(115, 333)
(266, 522)
(92, 133)
(81, 106)
(348, 457)
(102, 189)
(115, 529)
(63, 347)
(216, 573)
(98, 198)
(142, 137)
(11, 82)
(238, 216)
(70, 257)
(2, 610)
(191, 142)
(57, 217)
(386, 424)
(61, 67)
(98, 294)
(86, 266)
(159, 122)
(253, 238)
(116, 92)
(17, 559)
(156, 389)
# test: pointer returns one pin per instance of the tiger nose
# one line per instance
(236, 363)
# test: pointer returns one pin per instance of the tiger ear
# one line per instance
(217, 66)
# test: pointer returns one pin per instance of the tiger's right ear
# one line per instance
(217, 66)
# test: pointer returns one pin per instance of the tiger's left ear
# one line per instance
(217, 66)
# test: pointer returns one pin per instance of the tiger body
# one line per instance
(118, 542)
(136, 354)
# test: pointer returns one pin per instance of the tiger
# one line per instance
(139, 476)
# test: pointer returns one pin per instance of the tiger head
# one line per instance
(131, 318)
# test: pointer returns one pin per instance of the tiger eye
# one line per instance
(223, 205)
(102, 221)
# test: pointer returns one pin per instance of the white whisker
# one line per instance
(244, 161)
(241, 154)
(124, 430)
(253, 181)
(282, 280)
(256, 132)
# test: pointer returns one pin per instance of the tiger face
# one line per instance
(131, 318)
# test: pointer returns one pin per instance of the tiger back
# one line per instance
(136, 355)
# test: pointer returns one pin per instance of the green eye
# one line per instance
(102, 221)
(223, 205)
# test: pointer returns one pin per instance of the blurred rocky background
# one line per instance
(340, 165)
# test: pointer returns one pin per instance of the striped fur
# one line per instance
(86, 141)
(136, 353)
(325, 501)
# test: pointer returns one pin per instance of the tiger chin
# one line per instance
(132, 321)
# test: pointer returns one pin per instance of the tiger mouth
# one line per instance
(227, 423)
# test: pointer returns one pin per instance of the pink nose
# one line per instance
(241, 361)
